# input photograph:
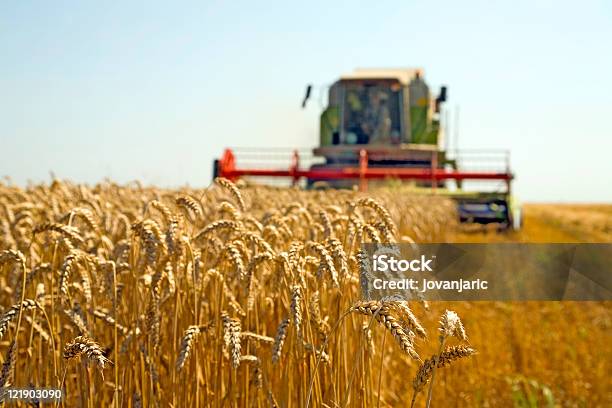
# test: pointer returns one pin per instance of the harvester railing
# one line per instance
(229, 168)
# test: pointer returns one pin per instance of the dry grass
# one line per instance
(249, 296)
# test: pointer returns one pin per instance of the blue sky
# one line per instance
(155, 90)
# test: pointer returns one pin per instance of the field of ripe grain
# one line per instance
(249, 296)
(541, 354)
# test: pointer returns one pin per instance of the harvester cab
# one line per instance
(382, 125)
(386, 113)
(380, 107)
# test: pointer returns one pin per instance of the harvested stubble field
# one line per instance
(249, 296)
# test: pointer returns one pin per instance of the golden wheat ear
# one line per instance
(84, 346)
(381, 312)
(279, 340)
(234, 191)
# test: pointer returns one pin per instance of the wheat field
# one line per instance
(249, 296)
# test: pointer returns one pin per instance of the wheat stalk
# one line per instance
(450, 325)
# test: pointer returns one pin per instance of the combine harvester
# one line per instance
(383, 125)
